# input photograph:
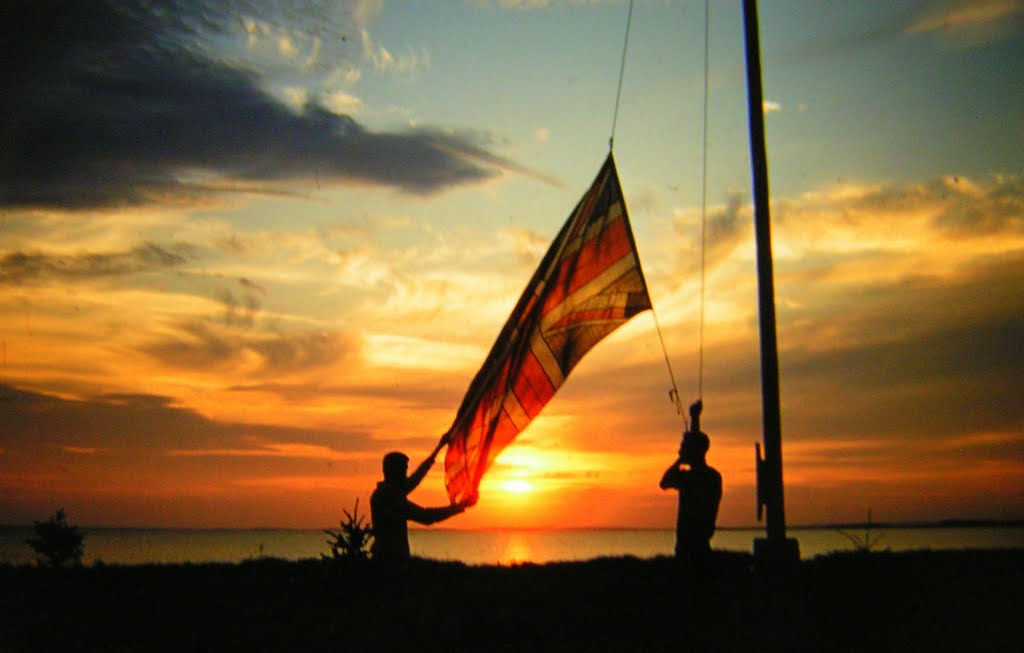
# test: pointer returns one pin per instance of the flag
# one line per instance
(587, 284)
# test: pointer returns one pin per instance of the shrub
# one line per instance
(56, 542)
(865, 544)
(352, 540)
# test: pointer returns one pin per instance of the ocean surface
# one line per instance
(140, 546)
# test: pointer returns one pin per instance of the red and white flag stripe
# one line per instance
(587, 285)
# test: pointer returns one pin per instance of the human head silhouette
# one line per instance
(694, 447)
(396, 467)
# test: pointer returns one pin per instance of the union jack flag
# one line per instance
(587, 285)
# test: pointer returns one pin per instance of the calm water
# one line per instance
(136, 546)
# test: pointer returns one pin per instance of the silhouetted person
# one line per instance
(390, 508)
(700, 491)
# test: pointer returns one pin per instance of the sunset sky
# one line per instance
(248, 247)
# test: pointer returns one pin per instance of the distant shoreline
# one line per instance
(943, 523)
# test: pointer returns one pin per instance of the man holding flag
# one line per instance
(391, 509)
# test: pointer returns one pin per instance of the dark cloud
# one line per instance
(141, 423)
(440, 391)
(728, 226)
(109, 104)
(139, 401)
(304, 350)
(952, 382)
(925, 356)
(252, 285)
(205, 346)
(725, 228)
(26, 267)
(239, 311)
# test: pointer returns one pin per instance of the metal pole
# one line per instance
(770, 471)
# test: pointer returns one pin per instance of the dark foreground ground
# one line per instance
(922, 601)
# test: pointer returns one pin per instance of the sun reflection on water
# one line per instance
(516, 550)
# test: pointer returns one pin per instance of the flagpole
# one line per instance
(775, 548)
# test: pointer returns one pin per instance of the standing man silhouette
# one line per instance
(700, 492)
(390, 508)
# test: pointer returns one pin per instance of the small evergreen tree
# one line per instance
(352, 541)
(57, 542)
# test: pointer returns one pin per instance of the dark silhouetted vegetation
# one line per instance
(352, 540)
(863, 543)
(57, 543)
(914, 601)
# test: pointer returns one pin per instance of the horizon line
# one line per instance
(939, 523)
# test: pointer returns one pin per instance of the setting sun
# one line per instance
(517, 486)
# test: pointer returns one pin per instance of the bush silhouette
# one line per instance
(56, 542)
(864, 544)
(352, 541)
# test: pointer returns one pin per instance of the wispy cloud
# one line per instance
(891, 216)
(528, 245)
(200, 345)
(26, 267)
(408, 63)
(980, 19)
(343, 103)
(80, 450)
(984, 214)
(299, 450)
(960, 22)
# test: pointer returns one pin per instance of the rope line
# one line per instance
(673, 394)
(704, 199)
(622, 71)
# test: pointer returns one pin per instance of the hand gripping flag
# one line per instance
(587, 284)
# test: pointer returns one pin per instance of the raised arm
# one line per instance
(427, 516)
(421, 471)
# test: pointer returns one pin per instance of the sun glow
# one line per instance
(517, 486)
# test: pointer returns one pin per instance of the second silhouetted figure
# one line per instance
(700, 492)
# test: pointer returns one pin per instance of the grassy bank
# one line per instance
(950, 600)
